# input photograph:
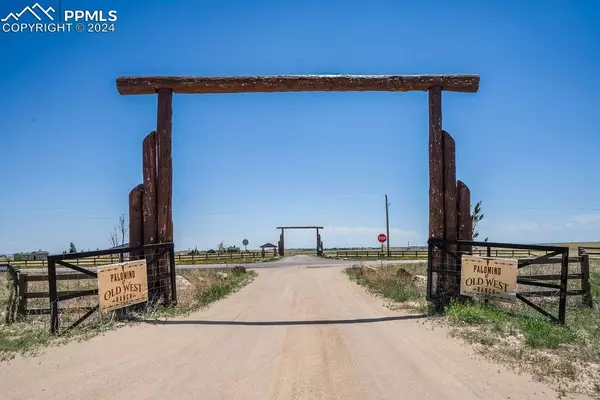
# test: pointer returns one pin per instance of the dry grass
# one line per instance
(224, 261)
(207, 286)
(33, 334)
(513, 333)
(567, 357)
(389, 282)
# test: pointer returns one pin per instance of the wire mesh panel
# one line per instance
(72, 288)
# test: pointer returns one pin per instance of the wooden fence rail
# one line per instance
(592, 252)
(115, 258)
(423, 253)
(17, 308)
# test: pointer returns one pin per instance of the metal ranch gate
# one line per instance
(533, 279)
(160, 262)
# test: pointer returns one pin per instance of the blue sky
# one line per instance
(527, 142)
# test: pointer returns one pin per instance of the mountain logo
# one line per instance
(32, 10)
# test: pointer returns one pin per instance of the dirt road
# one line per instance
(295, 333)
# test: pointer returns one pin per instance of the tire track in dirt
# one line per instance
(295, 333)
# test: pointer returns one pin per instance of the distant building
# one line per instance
(32, 256)
(268, 246)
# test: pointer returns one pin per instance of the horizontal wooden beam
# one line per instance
(300, 227)
(296, 83)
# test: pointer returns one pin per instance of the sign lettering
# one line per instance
(123, 284)
(493, 277)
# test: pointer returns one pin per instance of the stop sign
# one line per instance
(382, 238)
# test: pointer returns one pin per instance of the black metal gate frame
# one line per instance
(551, 251)
(53, 260)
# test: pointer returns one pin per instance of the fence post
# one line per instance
(22, 304)
(54, 323)
(173, 274)
(585, 281)
(13, 295)
(564, 277)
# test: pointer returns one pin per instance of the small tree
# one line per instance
(477, 217)
(72, 248)
(221, 247)
(117, 236)
(122, 227)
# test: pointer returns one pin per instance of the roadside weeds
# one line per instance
(29, 337)
(567, 357)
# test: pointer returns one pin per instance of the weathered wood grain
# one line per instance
(436, 188)
(165, 166)
(450, 230)
(296, 83)
(150, 176)
(463, 211)
(436, 165)
(136, 225)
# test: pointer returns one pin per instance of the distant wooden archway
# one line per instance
(280, 245)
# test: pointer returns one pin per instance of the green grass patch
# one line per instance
(472, 313)
(566, 356)
(538, 333)
(542, 334)
(22, 339)
(595, 284)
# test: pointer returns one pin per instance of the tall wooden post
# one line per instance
(164, 190)
(165, 165)
(450, 231)
(281, 243)
(318, 240)
(436, 165)
(149, 204)
(136, 225)
(436, 182)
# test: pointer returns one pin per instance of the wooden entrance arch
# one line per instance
(280, 245)
(150, 211)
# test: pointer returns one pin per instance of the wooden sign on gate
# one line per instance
(121, 285)
(488, 276)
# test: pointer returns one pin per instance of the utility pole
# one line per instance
(387, 225)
